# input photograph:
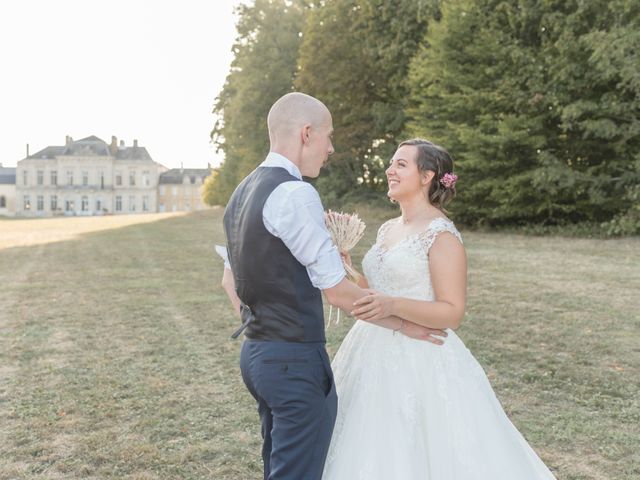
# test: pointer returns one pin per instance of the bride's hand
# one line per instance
(423, 333)
(373, 306)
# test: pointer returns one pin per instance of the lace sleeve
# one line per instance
(437, 226)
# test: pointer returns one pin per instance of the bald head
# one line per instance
(292, 112)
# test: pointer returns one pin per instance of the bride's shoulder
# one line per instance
(437, 226)
(388, 223)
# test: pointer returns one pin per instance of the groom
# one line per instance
(281, 257)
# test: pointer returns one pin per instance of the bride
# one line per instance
(410, 409)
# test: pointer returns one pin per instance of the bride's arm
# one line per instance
(448, 269)
(344, 294)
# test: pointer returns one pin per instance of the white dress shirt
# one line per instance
(294, 213)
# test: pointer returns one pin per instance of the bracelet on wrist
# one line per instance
(400, 327)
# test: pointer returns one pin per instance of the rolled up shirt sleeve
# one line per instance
(222, 251)
(294, 213)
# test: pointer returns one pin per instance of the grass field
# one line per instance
(115, 361)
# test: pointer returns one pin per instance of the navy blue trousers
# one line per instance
(297, 403)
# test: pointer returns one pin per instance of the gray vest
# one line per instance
(269, 280)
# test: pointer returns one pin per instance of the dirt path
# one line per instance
(38, 231)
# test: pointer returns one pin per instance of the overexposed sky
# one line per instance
(137, 69)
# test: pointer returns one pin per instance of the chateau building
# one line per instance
(180, 189)
(87, 177)
(7, 191)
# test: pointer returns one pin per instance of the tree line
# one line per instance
(538, 101)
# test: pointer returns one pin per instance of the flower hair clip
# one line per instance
(449, 180)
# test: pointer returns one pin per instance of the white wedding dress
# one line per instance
(412, 410)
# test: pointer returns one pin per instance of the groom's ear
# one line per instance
(305, 134)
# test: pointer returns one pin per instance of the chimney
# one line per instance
(135, 144)
(121, 143)
(208, 166)
(67, 140)
(27, 150)
(113, 148)
(181, 169)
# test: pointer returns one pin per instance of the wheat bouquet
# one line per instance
(346, 230)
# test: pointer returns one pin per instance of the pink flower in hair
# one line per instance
(449, 180)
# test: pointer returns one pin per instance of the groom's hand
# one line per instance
(423, 333)
(346, 258)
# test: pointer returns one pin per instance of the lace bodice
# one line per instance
(403, 269)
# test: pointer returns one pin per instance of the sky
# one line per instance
(135, 69)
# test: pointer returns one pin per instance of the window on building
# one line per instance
(85, 204)
(98, 205)
(132, 203)
(40, 177)
(40, 203)
(54, 203)
(69, 177)
(132, 179)
(3, 201)
(69, 205)
(118, 203)
(25, 177)
(85, 179)
(118, 178)
(101, 179)
(26, 203)
(54, 177)
(145, 203)
(146, 178)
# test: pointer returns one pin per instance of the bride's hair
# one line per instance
(435, 158)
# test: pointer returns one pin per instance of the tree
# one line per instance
(541, 118)
(354, 57)
(594, 86)
(263, 69)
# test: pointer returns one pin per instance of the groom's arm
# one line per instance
(344, 294)
(229, 286)
(294, 213)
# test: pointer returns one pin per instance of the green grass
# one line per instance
(115, 360)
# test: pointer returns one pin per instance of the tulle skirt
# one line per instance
(410, 410)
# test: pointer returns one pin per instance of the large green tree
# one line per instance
(538, 102)
(263, 69)
(594, 90)
(354, 57)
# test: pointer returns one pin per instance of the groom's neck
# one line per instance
(290, 153)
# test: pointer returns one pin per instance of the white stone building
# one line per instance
(7, 191)
(87, 177)
(180, 189)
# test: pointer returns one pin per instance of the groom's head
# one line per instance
(300, 128)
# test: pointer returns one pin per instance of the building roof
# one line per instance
(93, 146)
(49, 152)
(90, 146)
(133, 153)
(176, 175)
(7, 176)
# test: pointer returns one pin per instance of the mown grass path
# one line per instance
(115, 360)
